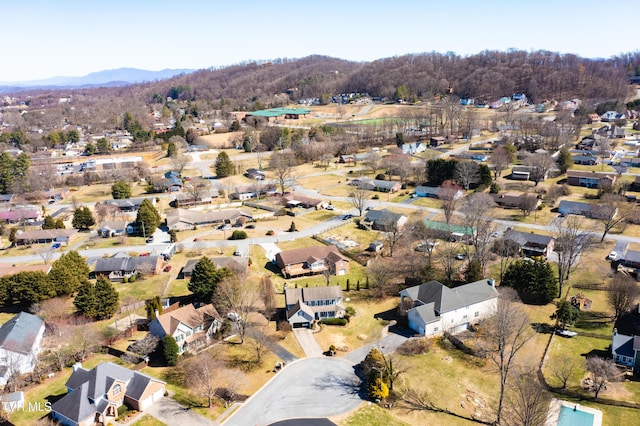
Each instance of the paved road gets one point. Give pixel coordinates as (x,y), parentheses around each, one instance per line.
(311,387)
(308,342)
(172,413)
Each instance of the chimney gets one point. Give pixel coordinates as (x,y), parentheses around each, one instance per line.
(76,366)
(491,282)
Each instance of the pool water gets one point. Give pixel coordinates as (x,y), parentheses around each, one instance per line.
(569,417)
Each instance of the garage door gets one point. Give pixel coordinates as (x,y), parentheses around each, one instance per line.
(300,325)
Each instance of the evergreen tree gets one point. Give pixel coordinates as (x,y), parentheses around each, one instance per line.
(6,173)
(103,146)
(106,297)
(485,175)
(535,281)
(224,166)
(120,190)
(49,223)
(565,159)
(68,272)
(152,306)
(235,126)
(170,349)
(59,224)
(205,278)
(26,288)
(566,313)
(148,218)
(89,148)
(83,218)
(171,150)
(474,271)
(85,300)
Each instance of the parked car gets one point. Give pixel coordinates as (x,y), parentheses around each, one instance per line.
(150,239)
(250,226)
(330,207)
(461,256)
(145,254)
(167,268)
(237,252)
(613,255)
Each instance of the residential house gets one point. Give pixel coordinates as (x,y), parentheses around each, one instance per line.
(611,116)
(587,160)
(129,204)
(115,228)
(121,266)
(590,179)
(436,141)
(383,220)
(45,236)
(201,198)
(439,192)
(107,164)
(353,158)
(253,173)
(378,185)
(305,202)
(515,199)
(247,192)
(413,148)
(183,219)
(21,215)
(312,260)
(93,396)
(304,305)
(8,269)
(593,142)
(625,350)
(593,118)
(6,199)
(172,184)
(593,211)
(237,265)
(531,244)
(523,173)
(193,328)
(631,259)
(20,340)
(432,308)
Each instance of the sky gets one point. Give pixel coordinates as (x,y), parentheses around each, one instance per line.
(49,38)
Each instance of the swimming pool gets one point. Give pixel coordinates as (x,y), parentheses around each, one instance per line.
(572,417)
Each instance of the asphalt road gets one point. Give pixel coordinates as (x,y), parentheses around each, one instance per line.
(309,388)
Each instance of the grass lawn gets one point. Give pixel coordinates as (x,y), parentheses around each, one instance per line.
(143,289)
(147,420)
(370,415)
(361,329)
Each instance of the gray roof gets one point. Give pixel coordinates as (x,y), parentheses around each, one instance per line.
(440,299)
(574,207)
(89,385)
(19,334)
(383,216)
(234,263)
(632,256)
(118,262)
(293,295)
(524,238)
(297,307)
(125,203)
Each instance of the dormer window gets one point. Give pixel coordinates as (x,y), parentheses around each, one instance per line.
(117,389)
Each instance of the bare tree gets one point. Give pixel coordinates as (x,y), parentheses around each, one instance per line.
(146,345)
(238,297)
(508,251)
(447,257)
(267,291)
(231,381)
(179,162)
(358,198)
(622,295)
(540,164)
(562,368)
(571,239)
(500,159)
(613,210)
(259,341)
(282,166)
(382,275)
(54,311)
(504,334)
(527,402)
(46,253)
(394,234)
(197,188)
(467,172)
(373,162)
(448,199)
(201,373)
(145,269)
(602,371)
(475,211)
(527,204)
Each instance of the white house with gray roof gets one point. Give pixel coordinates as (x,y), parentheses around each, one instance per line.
(432,308)
(93,396)
(304,305)
(20,340)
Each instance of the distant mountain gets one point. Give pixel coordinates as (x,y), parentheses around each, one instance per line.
(107,78)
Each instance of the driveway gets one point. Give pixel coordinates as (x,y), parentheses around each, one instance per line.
(170,412)
(308,342)
(387,345)
(270,250)
(311,387)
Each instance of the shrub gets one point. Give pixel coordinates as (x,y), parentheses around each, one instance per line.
(377,390)
(380,176)
(132,279)
(292,227)
(281,212)
(375,197)
(415,347)
(122,410)
(238,235)
(494,188)
(270,232)
(334,321)
(350,311)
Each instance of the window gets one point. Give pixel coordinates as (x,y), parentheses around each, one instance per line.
(477,314)
(464,317)
(116,390)
(435,329)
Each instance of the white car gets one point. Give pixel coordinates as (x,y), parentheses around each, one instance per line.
(613,255)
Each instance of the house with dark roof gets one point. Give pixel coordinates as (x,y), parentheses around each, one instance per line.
(312,260)
(186,219)
(432,308)
(593,211)
(516,199)
(587,160)
(631,259)
(237,265)
(129,204)
(193,328)
(304,305)
(121,266)
(531,244)
(625,350)
(114,228)
(590,179)
(93,396)
(439,192)
(45,236)
(383,220)
(20,340)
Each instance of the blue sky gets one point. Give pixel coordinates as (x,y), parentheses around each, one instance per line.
(47,38)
